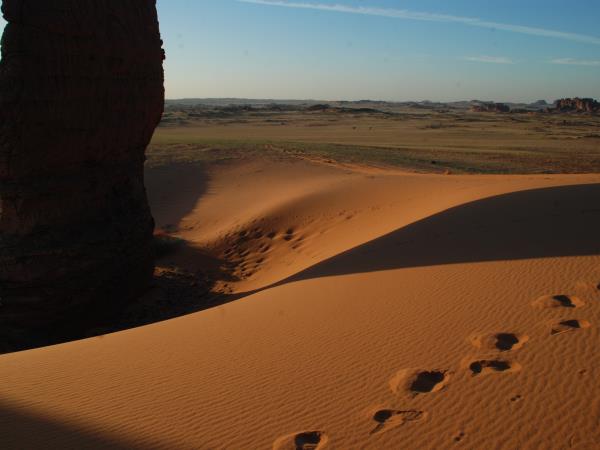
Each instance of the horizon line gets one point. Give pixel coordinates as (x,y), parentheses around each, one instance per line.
(371,100)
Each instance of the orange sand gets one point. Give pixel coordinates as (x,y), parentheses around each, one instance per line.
(375,309)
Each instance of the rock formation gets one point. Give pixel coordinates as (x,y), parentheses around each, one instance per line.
(490,107)
(81,92)
(577,105)
(319,107)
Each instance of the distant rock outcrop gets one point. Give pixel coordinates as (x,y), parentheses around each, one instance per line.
(539,104)
(319,107)
(81,92)
(490,107)
(577,105)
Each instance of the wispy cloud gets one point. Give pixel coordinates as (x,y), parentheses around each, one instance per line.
(489,59)
(430,17)
(576,62)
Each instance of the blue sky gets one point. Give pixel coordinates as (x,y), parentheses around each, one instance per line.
(505,50)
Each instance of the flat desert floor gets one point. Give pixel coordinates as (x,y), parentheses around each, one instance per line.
(356,307)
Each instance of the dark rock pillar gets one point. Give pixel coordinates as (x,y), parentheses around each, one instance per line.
(81,92)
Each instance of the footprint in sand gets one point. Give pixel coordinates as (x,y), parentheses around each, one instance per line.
(304,440)
(503,342)
(558,301)
(388,419)
(566,326)
(419,381)
(487,366)
(459,437)
(289,234)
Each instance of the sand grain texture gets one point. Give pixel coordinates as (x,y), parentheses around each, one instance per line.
(374,309)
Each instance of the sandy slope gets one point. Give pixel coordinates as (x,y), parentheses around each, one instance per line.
(376,310)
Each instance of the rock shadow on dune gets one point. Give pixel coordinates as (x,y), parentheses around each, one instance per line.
(538,223)
(21,429)
(173,191)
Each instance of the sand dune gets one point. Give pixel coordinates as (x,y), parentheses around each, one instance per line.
(370,309)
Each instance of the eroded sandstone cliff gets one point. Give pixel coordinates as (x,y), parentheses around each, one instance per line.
(81,91)
(577,105)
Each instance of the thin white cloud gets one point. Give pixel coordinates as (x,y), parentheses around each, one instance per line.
(576,62)
(429,17)
(489,59)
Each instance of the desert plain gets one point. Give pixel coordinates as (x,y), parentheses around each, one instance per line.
(345,277)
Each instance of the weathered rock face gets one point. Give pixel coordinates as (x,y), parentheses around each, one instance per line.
(577,105)
(81,92)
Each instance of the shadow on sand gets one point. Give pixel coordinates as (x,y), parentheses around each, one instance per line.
(173,191)
(22,429)
(539,223)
